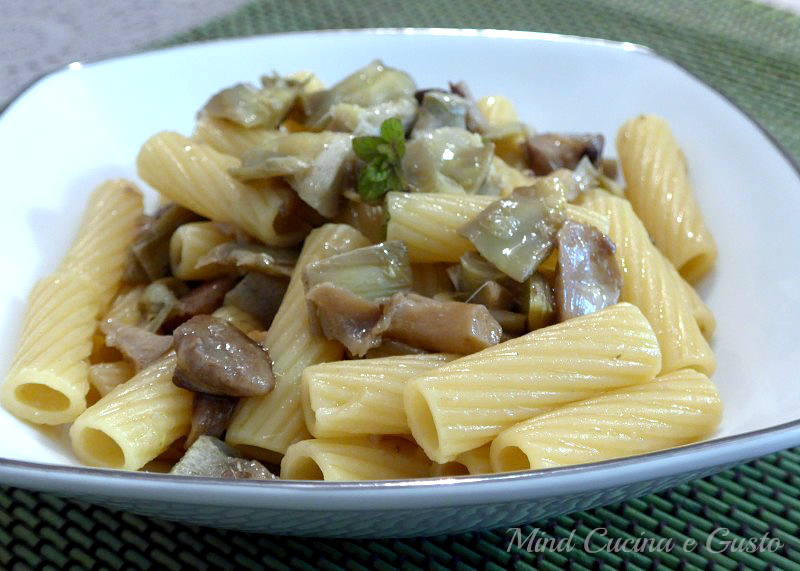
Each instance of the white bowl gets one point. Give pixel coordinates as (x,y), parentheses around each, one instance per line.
(77,127)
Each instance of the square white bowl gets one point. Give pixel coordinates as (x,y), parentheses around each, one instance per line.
(75,128)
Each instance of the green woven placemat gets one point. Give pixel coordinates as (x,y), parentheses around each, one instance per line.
(749,52)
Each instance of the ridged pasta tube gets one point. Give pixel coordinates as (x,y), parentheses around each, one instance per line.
(229,138)
(467,402)
(109,225)
(49,376)
(675,409)
(362,396)
(136,421)
(650,282)
(196,176)
(269,424)
(662,196)
(357,458)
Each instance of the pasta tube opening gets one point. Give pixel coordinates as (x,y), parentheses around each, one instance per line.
(420,416)
(512,458)
(42,397)
(304,468)
(449,469)
(101,449)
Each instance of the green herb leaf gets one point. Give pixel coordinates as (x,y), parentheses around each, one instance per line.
(383,156)
(392,130)
(367,148)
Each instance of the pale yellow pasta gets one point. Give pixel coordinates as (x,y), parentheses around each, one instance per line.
(498,110)
(311,83)
(507,178)
(356,458)
(196,176)
(136,421)
(702,313)
(48,379)
(429,223)
(109,225)
(188,244)
(238,318)
(578,213)
(362,396)
(467,402)
(659,189)
(476,461)
(269,424)
(675,409)
(229,138)
(105,376)
(650,282)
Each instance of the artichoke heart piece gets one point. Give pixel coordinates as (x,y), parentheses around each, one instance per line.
(570,183)
(210,457)
(371,272)
(539,301)
(314,165)
(440,109)
(367,87)
(517,233)
(250,106)
(360,121)
(474,271)
(447,160)
(234,258)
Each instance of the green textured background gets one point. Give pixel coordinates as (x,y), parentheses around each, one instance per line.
(750,53)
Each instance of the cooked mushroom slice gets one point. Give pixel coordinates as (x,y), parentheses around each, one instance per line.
(159,302)
(259,295)
(250,106)
(139,346)
(211,416)
(539,302)
(213,458)
(440,109)
(588,277)
(207,297)
(342,315)
(369,86)
(236,259)
(517,233)
(447,160)
(215,358)
(441,326)
(550,151)
(371,272)
(149,259)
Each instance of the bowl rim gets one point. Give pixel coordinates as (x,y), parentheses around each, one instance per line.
(406,493)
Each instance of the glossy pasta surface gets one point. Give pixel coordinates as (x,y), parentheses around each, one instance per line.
(368,281)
